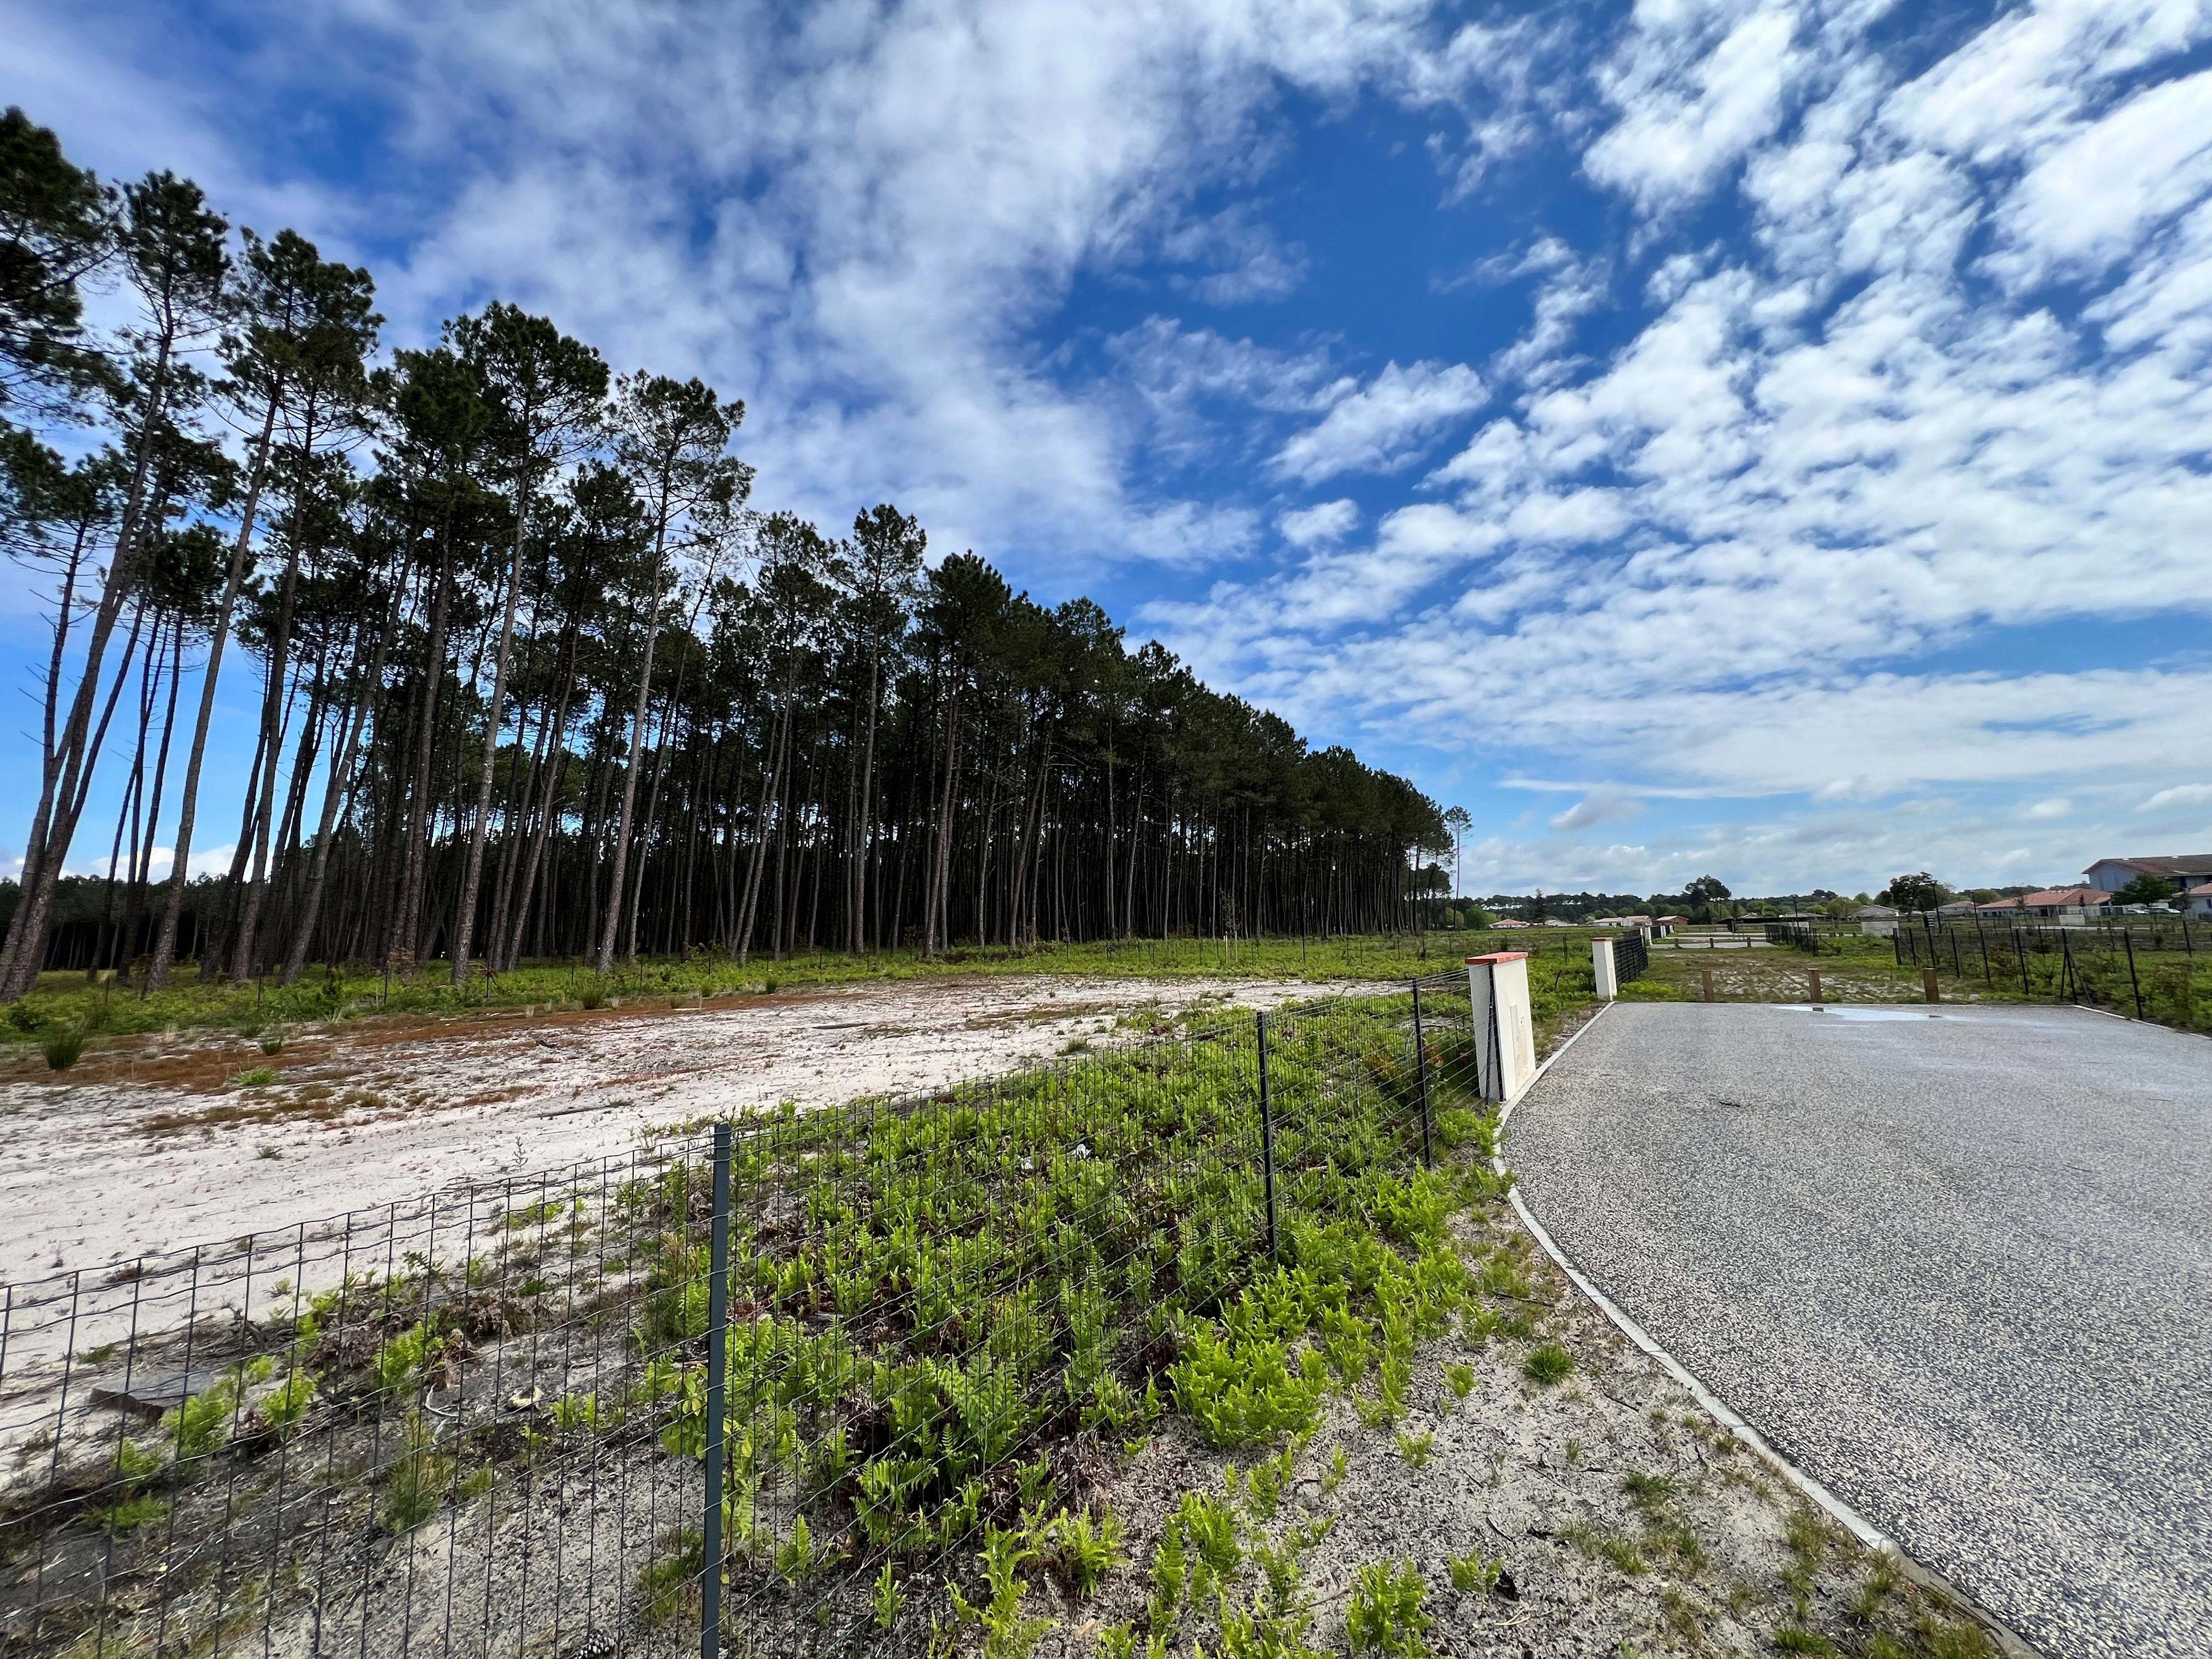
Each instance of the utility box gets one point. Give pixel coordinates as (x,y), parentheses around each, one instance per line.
(1602,970)
(1504,1024)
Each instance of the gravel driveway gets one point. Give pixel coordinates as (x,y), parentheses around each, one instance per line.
(1958,1264)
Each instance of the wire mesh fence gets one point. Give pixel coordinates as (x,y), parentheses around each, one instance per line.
(769,1382)
(2155,968)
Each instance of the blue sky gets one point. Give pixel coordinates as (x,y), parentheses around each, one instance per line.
(1769,439)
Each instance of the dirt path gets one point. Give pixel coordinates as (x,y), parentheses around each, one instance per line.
(183,1139)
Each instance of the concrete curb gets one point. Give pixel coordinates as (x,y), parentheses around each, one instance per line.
(1871,1537)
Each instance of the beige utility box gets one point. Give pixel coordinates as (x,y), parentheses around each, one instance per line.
(1504,1024)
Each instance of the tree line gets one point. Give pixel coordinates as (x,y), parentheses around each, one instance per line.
(532,675)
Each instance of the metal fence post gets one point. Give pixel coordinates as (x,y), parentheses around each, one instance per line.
(718,1378)
(2128,939)
(1266,1139)
(1421,1075)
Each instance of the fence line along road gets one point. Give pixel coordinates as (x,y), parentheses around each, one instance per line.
(758,1388)
(2148,966)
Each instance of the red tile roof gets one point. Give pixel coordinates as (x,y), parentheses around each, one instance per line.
(2062,898)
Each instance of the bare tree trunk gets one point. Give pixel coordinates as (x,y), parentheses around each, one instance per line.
(407,919)
(548,808)
(771,795)
(935,923)
(465,919)
(863,839)
(165,946)
(345,766)
(276,708)
(615,884)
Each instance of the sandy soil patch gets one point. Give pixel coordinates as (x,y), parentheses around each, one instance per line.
(179,1140)
(1603,1515)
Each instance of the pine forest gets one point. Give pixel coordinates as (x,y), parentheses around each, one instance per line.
(535,675)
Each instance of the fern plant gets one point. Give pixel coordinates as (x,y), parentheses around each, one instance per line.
(1385,1615)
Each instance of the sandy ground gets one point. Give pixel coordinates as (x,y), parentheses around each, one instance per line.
(180,1141)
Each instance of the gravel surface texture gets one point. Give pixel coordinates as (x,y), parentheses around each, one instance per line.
(1957,1265)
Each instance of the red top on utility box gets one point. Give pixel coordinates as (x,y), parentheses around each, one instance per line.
(1499,956)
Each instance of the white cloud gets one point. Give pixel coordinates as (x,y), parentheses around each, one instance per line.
(854,219)
(1595,808)
(1247,261)
(1385,424)
(1698,87)
(2181,794)
(1571,291)
(2055,806)
(1328,521)
(2087,201)
(207,861)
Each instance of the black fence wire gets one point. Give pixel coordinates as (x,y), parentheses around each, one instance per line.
(761,1389)
(2155,968)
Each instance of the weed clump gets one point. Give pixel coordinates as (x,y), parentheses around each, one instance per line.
(415,1486)
(1547,1365)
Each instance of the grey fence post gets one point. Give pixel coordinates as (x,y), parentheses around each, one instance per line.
(718,1380)
(1266,1139)
(1421,1073)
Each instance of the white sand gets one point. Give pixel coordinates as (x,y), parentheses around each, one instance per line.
(150,1148)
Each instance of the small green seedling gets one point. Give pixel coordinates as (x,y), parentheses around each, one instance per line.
(1474,1574)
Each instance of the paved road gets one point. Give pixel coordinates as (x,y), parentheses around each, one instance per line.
(1957,1265)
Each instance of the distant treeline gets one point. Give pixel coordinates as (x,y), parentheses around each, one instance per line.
(533,677)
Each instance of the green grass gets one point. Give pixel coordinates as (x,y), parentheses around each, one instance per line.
(1547,1363)
(2173,979)
(64,1000)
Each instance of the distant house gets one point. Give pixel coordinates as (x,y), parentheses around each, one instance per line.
(1957,908)
(1876,918)
(1509,922)
(2068,905)
(2197,901)
(2183,870)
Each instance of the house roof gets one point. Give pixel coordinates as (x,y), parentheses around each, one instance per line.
(2182,864)
(2060,898)
(2204,890)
